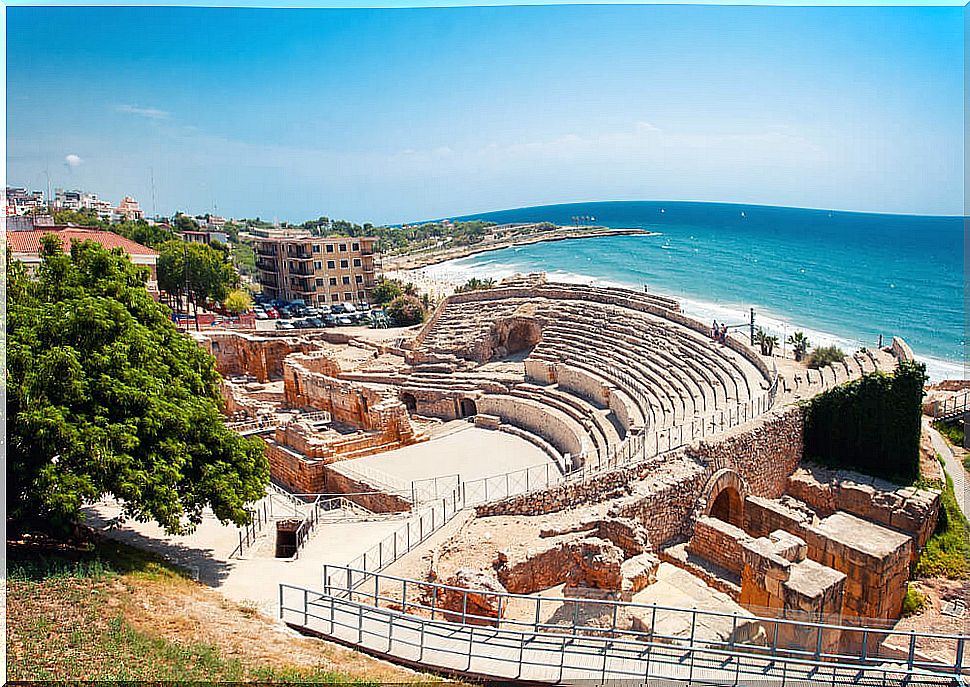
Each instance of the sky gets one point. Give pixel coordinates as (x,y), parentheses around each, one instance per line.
(395,115)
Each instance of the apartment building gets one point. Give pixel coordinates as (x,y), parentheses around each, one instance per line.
(316,269)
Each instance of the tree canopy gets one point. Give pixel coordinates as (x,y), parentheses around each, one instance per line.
(200,271)
(405,311)
(104,396)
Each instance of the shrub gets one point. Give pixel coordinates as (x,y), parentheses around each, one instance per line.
(386,291)
(953,431)
(826,355)
(405,311)
(871,424)
(914,602)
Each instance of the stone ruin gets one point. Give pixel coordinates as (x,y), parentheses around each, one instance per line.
(580,371)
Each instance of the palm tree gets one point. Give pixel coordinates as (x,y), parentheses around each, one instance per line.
(800,344)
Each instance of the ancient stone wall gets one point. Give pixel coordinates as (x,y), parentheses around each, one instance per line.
(764,452)
(874,559)
(719,542)
(539,420)
(261,357)
(908,509)
(663,492)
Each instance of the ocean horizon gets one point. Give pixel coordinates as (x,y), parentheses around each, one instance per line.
(842,277)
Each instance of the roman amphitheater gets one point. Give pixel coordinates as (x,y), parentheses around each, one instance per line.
(575,483)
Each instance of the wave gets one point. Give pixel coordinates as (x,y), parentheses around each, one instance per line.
(734,314)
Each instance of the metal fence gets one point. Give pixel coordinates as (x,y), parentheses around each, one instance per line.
(355,602)
(952,407)
(414,531)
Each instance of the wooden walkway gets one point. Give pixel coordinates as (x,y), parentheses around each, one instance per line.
(548,657)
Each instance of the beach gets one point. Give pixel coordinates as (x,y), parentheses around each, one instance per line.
(844,279)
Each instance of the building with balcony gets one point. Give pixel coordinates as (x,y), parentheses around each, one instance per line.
(316,269)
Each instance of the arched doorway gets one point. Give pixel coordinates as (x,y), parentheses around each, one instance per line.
(727,506)
(467,407)
(724,497)
(410,402)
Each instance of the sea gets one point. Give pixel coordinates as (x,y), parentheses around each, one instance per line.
(842,278)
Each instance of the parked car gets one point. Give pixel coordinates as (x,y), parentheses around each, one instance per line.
(261,315)
(344,321)
(272,313)
(315,322)
(330,320)
(283,324)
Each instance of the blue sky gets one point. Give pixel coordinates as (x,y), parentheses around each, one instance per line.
(406,114)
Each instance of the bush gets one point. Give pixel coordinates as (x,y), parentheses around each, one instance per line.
(871,424)
(953,431)
(826,355)
(405,311)
(914,602)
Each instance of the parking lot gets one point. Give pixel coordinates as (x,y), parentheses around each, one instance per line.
(282,316)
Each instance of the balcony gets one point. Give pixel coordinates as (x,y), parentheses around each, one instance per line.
(264,263)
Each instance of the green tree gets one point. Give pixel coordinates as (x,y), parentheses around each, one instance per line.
(405,311)
(800,344)
(386,291)
(195,270)
(85,217)
(185,223)
(238,301)
(105,397)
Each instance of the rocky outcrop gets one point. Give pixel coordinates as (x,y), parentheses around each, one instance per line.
(480,602)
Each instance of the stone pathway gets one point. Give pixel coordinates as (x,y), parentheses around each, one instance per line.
(953,467)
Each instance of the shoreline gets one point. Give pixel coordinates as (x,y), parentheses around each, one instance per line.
(415,261)
(439,284)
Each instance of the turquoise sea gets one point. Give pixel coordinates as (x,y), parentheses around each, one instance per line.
(841,277)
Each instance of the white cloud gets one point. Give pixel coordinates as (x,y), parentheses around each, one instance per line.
(147,112)
(72,161)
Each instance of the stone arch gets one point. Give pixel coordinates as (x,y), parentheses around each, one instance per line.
(467,407)
(724,497)
(410,402)
(521,335)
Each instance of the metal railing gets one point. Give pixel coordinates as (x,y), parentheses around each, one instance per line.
(249,533)
(364,608)
(952,407)
(413,532)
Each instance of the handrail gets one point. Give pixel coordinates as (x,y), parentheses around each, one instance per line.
(792,642)
(955,405)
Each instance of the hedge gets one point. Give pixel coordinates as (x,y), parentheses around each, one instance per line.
(871,425)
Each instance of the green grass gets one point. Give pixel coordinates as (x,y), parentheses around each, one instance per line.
(66,621)
(947,553)
(914,603)
(953,431)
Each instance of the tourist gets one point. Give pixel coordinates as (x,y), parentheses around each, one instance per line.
(714,330)
(723,334)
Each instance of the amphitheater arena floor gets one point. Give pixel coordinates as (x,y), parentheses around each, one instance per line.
(468,451)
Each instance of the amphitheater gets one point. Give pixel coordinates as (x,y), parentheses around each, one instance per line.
(587,487)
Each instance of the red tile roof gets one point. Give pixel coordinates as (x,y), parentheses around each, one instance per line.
(29,241)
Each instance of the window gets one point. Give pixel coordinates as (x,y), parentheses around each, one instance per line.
(346,280)
(356,262)
(348,295)
(316,247)
(331,265)
(333,281)
(355,247)
(319,281)
(361,296)
(360,279)
(343,247)
(344,264)
(317,264)
(335,297)
(330,248)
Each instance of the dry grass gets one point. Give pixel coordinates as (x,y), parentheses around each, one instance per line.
(109,612)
